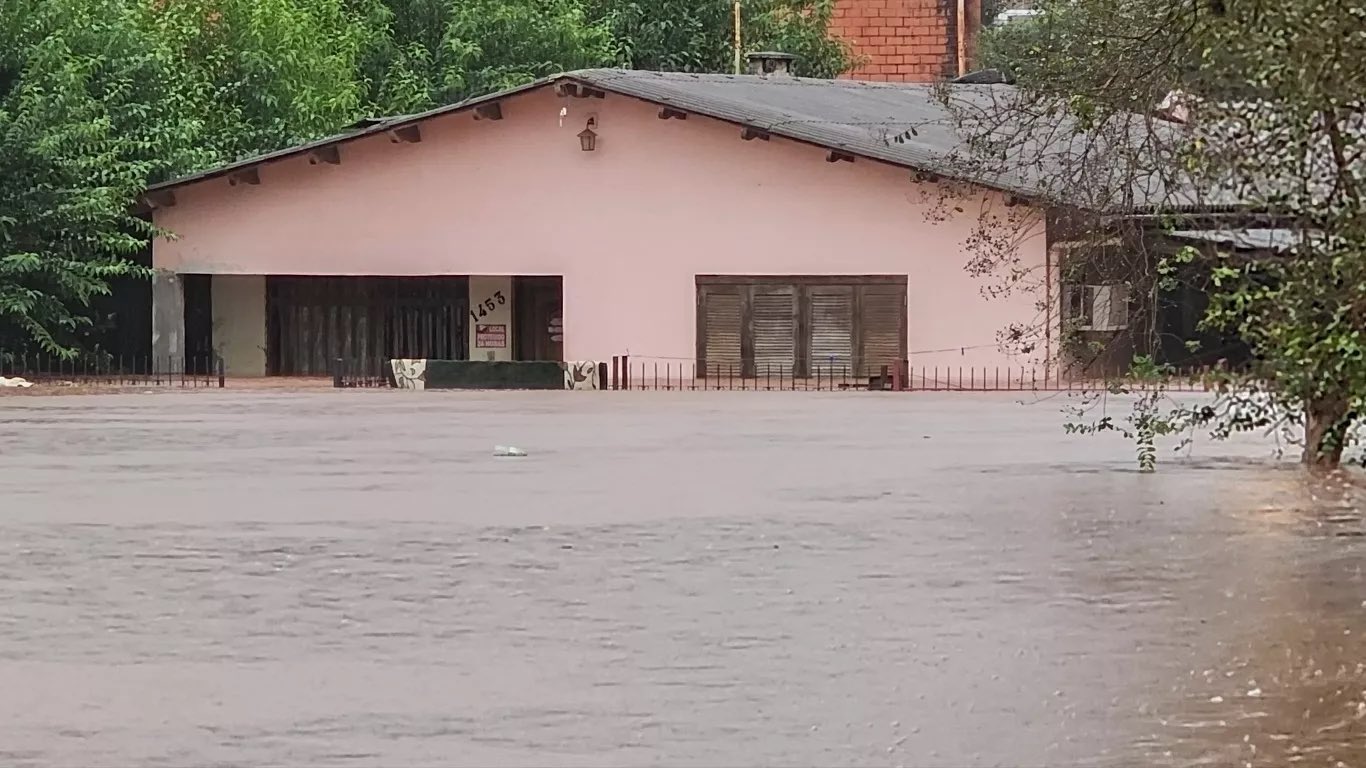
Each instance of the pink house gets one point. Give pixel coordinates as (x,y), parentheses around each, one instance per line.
(739,221)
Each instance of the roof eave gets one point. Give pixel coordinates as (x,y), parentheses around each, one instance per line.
(1019,195)
(379,127)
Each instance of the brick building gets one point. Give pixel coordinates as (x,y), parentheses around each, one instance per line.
(908,40)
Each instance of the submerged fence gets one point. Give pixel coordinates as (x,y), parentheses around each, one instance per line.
(115,370)
(627,374)
(368,372)
(623,373)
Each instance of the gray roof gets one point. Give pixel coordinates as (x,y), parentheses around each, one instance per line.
(1252,239)
(903,124)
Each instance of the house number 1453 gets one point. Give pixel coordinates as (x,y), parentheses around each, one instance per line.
(486,306)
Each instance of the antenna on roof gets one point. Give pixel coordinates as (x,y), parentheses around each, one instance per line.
(737,37)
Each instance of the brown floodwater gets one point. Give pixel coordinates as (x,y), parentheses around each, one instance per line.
(352,578)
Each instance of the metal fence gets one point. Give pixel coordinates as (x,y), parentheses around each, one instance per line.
(115,370)
(624,374)
(627,374)
(352,373)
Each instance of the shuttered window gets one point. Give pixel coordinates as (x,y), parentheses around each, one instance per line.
(832,328)
(722,313)
(881,310)
(774,323)
(800,326)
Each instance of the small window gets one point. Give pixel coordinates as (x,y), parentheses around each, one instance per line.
(1097,307)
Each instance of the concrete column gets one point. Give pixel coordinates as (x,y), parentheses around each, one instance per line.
(490,317)
(239,323)
(168,318)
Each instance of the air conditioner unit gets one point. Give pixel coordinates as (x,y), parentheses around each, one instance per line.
(1098,307)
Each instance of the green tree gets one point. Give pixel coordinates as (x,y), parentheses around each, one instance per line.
(264,74)
(425,53)
(88,112)
(698,35)
(1270,99)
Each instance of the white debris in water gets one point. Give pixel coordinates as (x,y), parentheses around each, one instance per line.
(21,382)
(1216,700)
(1255,692)
(507,450)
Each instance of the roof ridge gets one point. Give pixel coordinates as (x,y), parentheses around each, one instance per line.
(756,79)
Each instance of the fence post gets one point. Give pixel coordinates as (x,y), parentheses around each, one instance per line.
(625,371)
(222,373)
(337,373)
(602,375)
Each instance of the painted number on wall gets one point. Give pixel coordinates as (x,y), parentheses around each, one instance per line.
(486,306)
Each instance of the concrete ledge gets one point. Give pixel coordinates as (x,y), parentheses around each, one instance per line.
(492,374)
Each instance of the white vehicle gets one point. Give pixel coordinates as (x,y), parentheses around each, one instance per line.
(1015,14)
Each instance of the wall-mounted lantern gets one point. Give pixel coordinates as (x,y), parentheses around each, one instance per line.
(588,139)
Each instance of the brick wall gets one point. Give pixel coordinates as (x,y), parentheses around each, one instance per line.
(903,40)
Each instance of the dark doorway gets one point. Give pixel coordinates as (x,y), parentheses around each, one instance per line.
(539,308)
(199,350)
(123,318)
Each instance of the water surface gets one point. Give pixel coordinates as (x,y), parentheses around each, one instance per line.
(685,579)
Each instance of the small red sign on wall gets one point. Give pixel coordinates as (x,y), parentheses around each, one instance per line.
(490,336)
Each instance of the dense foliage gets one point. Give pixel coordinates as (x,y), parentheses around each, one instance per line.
(89,111)
(1269,98)
(697,35)
(100,97)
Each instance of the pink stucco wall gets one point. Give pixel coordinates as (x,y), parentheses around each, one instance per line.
(629,226)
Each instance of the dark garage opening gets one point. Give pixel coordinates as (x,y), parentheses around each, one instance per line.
(312,321)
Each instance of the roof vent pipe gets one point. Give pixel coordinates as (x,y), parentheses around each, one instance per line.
(771,63)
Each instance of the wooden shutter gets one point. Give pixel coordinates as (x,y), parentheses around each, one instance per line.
(882,313)
(832,328)
(774,322)
(722,319)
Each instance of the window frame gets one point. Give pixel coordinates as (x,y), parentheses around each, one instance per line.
(801,286)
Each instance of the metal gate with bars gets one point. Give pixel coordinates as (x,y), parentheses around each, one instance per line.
(753,324)
(313,321)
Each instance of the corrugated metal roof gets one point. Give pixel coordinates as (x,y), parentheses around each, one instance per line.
(1251,239)
(860,118)
(915,126)
(903,124)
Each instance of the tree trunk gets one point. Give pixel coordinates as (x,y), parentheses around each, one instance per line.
(1325,433)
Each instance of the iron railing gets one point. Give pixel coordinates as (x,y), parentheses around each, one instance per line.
(628,374)
(369,372)
(624,373)
(115,370)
